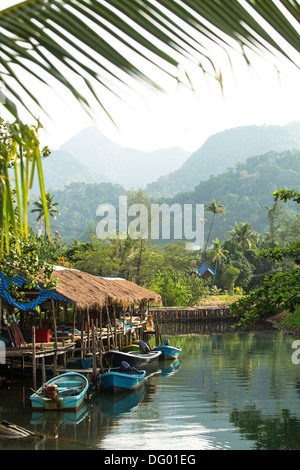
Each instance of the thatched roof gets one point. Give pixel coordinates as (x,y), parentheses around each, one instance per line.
(86,291)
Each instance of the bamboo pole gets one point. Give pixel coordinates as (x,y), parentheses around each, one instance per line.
(94,355)
(55,338)
(115,328)
(73,324)
(43,366)
(33,359)
(82,339)
(110,328)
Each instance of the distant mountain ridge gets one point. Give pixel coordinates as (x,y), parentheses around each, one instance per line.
(224,150)
(89,157)
(62,169)
(120,165)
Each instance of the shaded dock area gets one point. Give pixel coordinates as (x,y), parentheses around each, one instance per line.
(73,326)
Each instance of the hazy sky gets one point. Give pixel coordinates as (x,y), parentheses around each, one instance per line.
(150,120)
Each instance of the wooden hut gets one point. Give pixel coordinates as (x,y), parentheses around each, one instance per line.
(86,293)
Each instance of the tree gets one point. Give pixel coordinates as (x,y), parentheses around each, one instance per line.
(218,254)
(279,291)
(274,213)
(24,258)
(216,207)
(229,277)
(243,235)
(51,208)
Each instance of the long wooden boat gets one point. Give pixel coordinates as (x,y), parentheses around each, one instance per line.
(138,359)
(63,392)
(12,431)
(126,378)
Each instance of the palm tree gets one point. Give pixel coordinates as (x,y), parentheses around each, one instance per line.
(109,43)
(216,207)
(243,235)
(219,253)
(51,207)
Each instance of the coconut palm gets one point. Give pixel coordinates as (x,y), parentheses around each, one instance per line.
(91,46)
(243,235)
(216,207)
(51,208)
(219,254)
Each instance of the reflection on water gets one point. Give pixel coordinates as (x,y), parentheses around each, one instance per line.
(228,390)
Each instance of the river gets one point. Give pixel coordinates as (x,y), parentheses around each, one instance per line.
(229,391)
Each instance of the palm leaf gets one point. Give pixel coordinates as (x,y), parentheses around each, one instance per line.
(112,41)
(19,149)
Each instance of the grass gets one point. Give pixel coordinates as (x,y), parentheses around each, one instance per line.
(219,300)
(292,321)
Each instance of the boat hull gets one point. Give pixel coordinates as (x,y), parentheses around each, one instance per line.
(71,391)
(133,358)
(120,382)
(168,352)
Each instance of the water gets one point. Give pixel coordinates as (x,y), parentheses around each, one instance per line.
(230,390)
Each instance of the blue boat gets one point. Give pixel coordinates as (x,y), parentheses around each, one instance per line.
(167,351)
(64,392)
(125,378)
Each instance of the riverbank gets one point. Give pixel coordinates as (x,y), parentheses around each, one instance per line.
(287,322)
(284,321)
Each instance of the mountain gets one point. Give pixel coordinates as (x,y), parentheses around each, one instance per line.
(128,167)
(246,190)
(62,169)
(224,150)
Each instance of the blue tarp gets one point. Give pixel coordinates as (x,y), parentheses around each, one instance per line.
(20,281)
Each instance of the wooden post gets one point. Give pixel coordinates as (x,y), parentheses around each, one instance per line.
(130,335)
(55,338)
(94,355)
(88,329)
(115,329)
(110,329)
(33,359)
(82,338)
(43,365)
(73,325)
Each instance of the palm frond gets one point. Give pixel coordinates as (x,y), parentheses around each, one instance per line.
(113,41)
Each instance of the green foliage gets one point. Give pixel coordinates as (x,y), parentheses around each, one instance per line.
(179,289)
(246,199)
(280,290)
(19,153)
(229,277)
(29,262)
(293,320)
